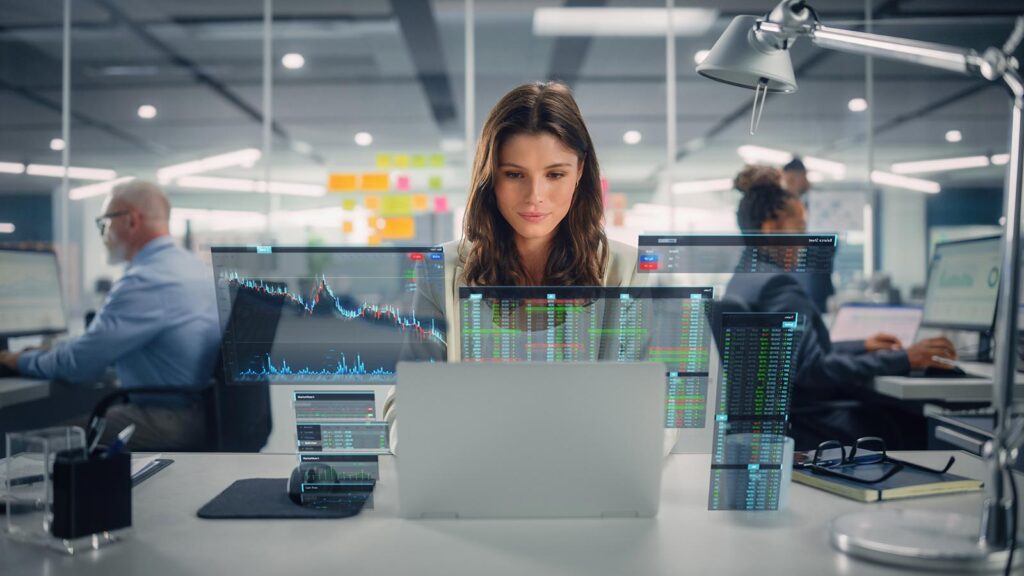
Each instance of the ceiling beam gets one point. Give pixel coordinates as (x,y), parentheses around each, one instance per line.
(197,72)
(423,40)
(569,52)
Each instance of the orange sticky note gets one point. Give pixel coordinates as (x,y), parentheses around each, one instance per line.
(375,182)
(372,202)
(347,226)
(373,240)
(420,202)
(404,227)
(341,182)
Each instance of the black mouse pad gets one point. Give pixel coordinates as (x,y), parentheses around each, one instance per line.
(268,498)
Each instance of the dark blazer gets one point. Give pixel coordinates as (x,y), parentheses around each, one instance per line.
(823,369)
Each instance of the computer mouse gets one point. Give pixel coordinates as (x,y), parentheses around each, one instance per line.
(309,473)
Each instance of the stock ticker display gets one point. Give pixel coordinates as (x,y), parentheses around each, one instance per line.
(742,253)
(339,421)
(752,410)
(331,315)
(580,324)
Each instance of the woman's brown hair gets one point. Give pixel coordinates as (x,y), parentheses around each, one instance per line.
(579,249)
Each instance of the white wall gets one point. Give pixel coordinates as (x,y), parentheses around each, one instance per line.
(903,238)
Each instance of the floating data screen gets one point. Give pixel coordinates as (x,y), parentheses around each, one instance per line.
(347,467)
(30,293)
(963,284)
(726,254)
(686,401)
(356,405)
(752,410)
(343,437)
(575,324)
(325,314)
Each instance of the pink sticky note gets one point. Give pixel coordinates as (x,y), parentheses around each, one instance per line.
(604,185)
(440,203)
(402,183)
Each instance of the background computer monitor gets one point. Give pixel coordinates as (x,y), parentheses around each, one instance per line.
(963,283)
(31,299)
(344,315)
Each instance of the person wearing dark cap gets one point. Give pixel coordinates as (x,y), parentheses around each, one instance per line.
(825,371)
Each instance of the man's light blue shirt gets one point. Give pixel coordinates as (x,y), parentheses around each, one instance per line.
(157,327)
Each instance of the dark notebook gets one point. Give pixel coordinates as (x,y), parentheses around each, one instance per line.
(907,483)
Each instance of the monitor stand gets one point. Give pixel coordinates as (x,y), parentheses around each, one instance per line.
(984,347)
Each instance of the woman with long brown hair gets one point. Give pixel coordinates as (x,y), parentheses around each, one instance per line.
(534,216)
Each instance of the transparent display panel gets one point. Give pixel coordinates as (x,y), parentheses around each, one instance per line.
(343,437)
(752,410)
(347,405)
(575,324)
(728,253)
(325,314)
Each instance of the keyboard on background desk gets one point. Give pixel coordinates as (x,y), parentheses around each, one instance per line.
(945,373)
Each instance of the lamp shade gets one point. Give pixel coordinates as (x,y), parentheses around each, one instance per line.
(738,59)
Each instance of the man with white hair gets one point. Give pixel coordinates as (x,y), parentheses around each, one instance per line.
(157,327)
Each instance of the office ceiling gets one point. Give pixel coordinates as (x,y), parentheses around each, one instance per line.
(395,69)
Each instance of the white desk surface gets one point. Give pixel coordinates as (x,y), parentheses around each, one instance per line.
(685,538)
(948,389)
(17,390)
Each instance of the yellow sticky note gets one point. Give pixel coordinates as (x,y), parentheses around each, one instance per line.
(420,202)
(437,160)
(396,205)
(401,160)
(341,182)
(347,226)
(348,204)
(375,182)
(373,240)
(419,161)
(404,227)
(372,202)
(435,183)
(383,160)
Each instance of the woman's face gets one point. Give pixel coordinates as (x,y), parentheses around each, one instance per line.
(535,182)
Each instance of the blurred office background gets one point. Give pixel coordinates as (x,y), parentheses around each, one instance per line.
(362,115)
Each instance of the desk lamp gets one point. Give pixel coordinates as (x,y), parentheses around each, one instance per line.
(753,53)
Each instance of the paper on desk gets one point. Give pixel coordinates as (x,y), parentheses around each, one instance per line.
(142,463)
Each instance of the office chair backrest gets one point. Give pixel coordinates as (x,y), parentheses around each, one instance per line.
(243,410)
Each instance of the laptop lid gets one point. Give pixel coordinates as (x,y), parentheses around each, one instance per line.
(861,321)
(530,440)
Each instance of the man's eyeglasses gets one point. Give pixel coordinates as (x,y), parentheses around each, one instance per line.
(104,221)
(871,451)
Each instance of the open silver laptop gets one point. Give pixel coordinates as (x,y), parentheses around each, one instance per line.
(530,440)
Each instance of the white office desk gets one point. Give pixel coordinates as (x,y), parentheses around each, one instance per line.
(947,389)
(685,538)
(18,390)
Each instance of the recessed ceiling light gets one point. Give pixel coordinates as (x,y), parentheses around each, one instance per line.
(7,227)
(1000,159)
(57,144)
(363,138)
(147,111)
(857,105)
(954,136)
(700,55)
(293,61)
(632,137)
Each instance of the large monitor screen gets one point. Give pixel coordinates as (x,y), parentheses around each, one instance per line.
(963,283)
(328,315)
(30,293)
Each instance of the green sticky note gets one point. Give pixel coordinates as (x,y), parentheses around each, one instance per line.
(435,183)
(437,160)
